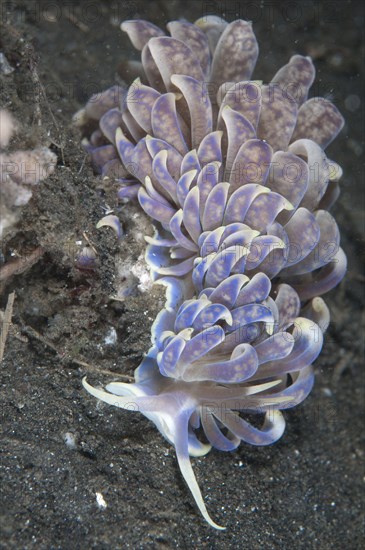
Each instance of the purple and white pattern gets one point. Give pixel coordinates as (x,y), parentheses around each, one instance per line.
(233,173)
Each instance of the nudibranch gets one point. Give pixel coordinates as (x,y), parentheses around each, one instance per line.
(233,173)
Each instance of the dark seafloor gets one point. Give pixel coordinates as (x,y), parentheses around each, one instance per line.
(306,491)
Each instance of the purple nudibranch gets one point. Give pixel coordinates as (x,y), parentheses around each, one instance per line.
(233,173)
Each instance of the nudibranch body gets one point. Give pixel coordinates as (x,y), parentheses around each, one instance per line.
(233,173)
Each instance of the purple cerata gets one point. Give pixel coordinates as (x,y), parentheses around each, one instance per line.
(234,174)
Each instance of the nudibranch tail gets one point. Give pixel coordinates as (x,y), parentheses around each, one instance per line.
(187,471)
